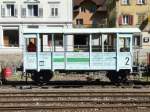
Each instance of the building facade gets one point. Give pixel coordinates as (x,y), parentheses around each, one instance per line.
(89,13)
(15,15)
(135,13)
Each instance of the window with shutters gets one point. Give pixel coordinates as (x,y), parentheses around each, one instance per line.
(9,10)
(127,20)
(140,2)
(79,21)
(125,2)
(54,10)
(82,9)
(32,10)
(141,18)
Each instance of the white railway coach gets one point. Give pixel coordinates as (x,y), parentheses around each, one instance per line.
(93,49)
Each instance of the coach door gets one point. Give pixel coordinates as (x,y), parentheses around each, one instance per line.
(29,52)
(124,51)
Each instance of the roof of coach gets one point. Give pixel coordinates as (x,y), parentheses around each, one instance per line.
(83,30)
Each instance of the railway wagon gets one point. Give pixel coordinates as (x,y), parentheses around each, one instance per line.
(90,49)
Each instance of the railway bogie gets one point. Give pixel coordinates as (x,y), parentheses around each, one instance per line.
(43,76)
(118,77)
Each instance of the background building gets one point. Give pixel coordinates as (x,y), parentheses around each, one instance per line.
(15,15)
(89,13)
(132,13)
(18,14)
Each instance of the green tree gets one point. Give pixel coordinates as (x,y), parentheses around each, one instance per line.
(111,9)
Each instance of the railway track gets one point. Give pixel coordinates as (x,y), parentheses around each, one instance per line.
(76,100)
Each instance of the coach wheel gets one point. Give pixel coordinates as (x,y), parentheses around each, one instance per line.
(122,76)
(112,76)
(42,77)
(117,77)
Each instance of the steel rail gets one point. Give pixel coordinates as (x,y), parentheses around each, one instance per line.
(35,95)
(71,107)
(23,100)
(74,91)
(78,101)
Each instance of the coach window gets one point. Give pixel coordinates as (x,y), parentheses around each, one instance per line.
(31,45)
(81,43)
(109,43)
(47,44)
(124,44)
(96,43)
(58,40)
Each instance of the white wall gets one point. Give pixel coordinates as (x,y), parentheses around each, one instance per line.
(65,12)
